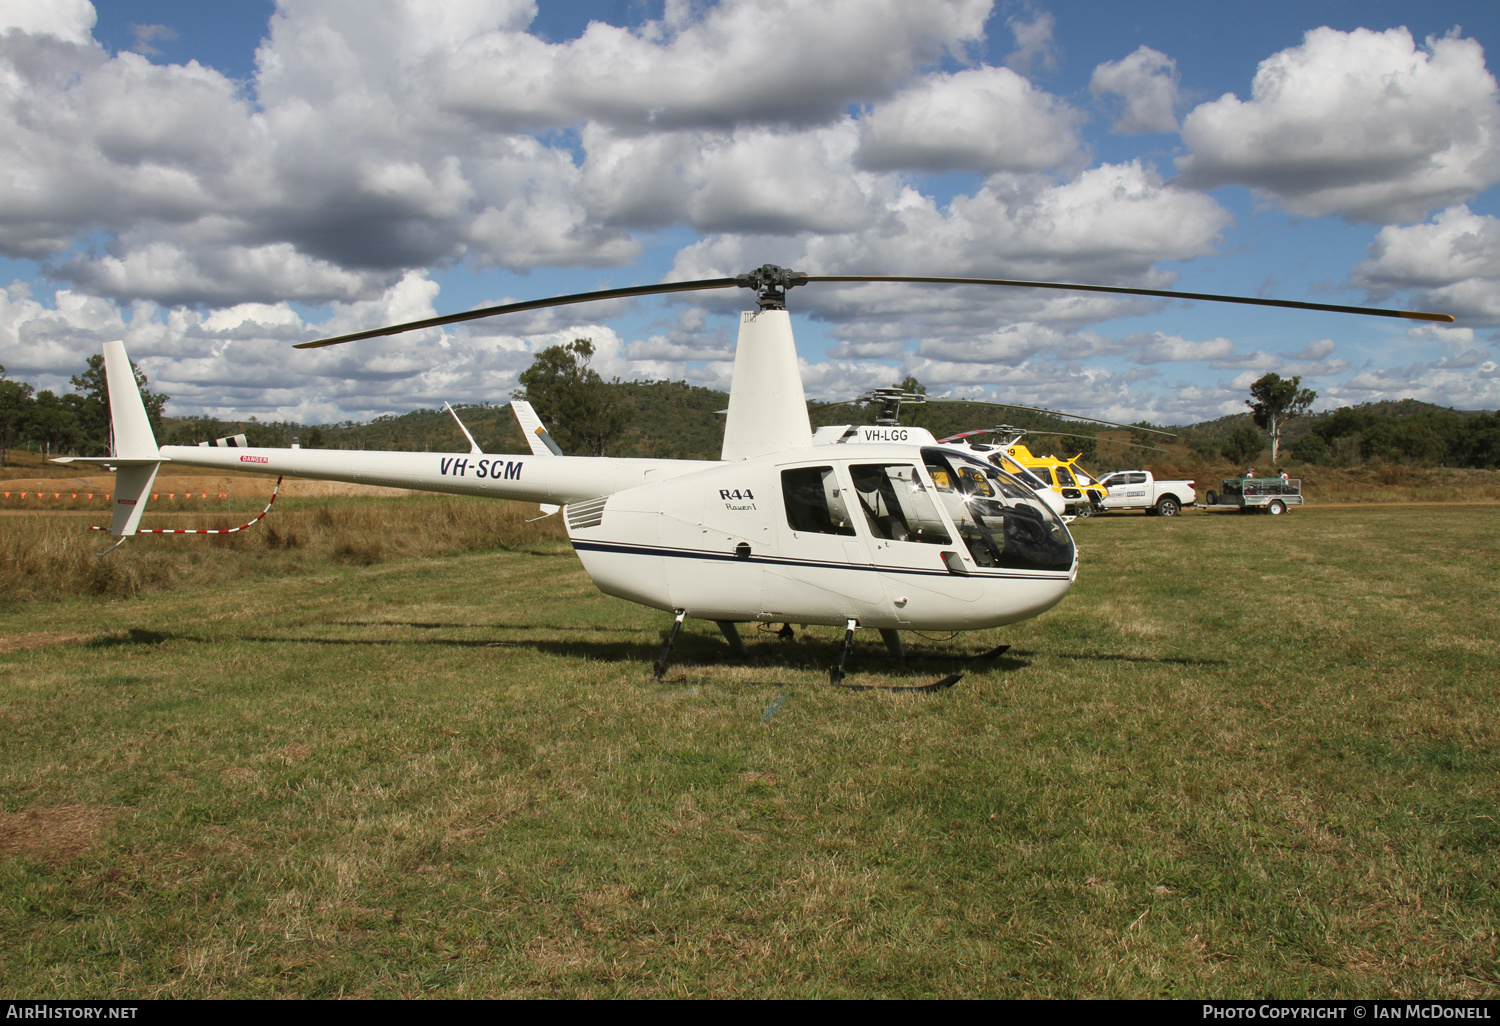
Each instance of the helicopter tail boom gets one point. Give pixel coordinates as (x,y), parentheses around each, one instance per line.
(550,480)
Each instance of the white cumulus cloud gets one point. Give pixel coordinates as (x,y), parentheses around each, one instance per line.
(1362,124)
(68,20)
(1159,347)
(1451,264)
(982,119)
(1146,84)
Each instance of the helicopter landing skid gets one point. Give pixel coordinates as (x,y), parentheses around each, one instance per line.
(836,674)
(937,685)
(659,669)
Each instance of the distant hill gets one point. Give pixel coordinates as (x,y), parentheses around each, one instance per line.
(673,419)
(1221,427)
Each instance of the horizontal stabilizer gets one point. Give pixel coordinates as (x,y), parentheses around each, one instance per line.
(109,462)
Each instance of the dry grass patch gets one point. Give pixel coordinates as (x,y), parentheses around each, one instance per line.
(46,558)
(55,834)
(31,640)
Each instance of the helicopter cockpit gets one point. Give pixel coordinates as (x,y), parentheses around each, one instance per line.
(1001,521)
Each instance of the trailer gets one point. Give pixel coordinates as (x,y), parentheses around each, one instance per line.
(1273,495)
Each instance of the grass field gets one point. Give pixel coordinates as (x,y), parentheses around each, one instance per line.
(1248,756)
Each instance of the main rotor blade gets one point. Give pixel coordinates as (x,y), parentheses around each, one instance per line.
(1101,441)
(530,304)
(1055,413)
(792,279)
(1061,434)
(1065,434)
(1120,290)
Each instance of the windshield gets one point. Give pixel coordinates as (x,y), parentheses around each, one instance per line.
(1001,521)
(1014,469)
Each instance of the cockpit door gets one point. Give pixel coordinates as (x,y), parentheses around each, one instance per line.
(912,542)
(822,572)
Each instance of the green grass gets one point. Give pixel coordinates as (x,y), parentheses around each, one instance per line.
(1247,756)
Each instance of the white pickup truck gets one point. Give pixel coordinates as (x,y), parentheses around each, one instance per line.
(1138,489)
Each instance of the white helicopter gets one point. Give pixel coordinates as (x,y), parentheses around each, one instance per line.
(889,534)
(888,428)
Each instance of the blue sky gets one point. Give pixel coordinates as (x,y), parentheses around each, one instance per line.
(212,183)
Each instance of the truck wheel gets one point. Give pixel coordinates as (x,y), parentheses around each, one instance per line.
(1167,508)
(1084,511)
(1213,497)
(1276,507)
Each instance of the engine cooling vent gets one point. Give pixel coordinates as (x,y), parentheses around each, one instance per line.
(586,514)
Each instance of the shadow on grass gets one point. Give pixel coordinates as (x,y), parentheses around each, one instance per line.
(135,636)
(1112,657)
(422,626)
(815,656)
(804,654)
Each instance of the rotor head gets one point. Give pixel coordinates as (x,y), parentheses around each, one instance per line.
(770,284)
(890,400)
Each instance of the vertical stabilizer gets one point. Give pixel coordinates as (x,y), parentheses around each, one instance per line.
(767,407)
(474,449)
(537,436)
(127,413)
(133,441)
(132,485)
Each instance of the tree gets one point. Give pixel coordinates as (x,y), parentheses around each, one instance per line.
(1207,449)
(15,412)
(54,423)
(93,403)
(581,411)
(1087,447)
(1243,444)
(1144,437)
(1310,448)
(1273,401)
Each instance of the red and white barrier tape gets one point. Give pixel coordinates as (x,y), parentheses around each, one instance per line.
(220,530)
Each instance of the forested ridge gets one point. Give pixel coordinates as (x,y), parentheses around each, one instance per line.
(673,419)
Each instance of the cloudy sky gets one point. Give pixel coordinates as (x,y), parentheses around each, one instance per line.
(212,182)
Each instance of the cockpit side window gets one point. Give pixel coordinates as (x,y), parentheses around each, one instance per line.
(897,505)
(814,501)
